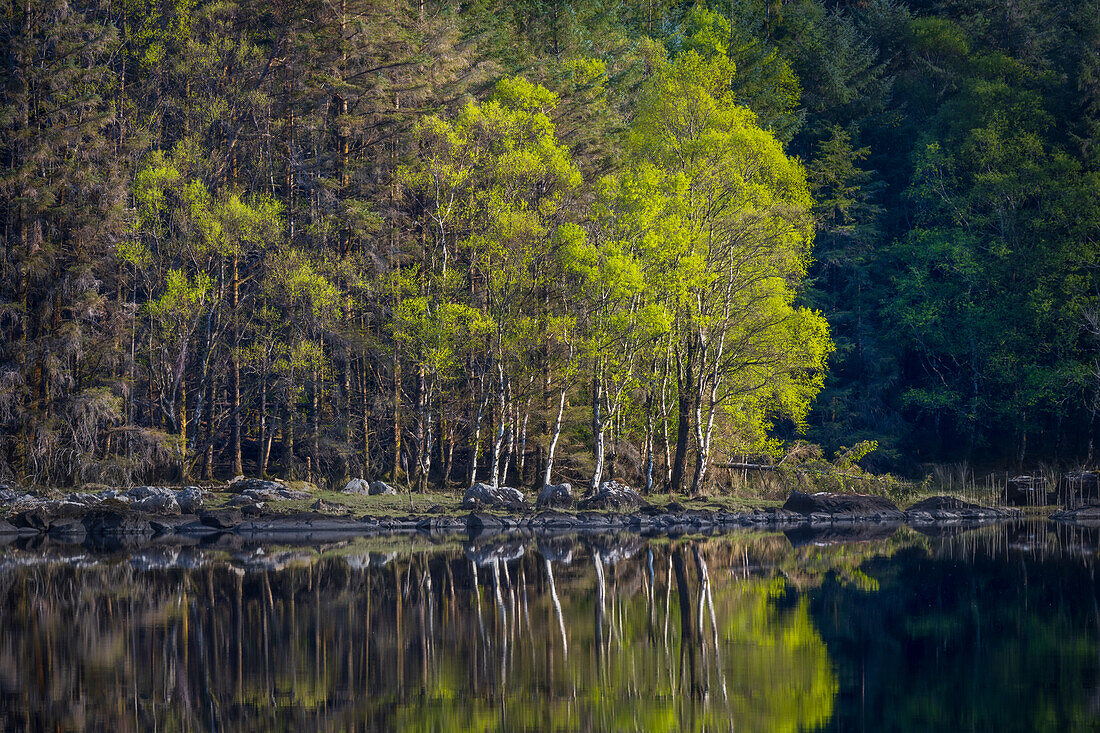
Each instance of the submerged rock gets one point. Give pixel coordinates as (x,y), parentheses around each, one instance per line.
(493,497)
(613,495)
(829,506)
(558,496)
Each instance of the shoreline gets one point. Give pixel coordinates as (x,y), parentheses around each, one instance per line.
(114,527)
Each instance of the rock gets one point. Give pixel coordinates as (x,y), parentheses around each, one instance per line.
(558,496)
(827,506)
(157,504)
(190,500)
(68,530)
(613,495)
(1027,491)
(8,528)
(247,499)
(272,489)
(1079,487)
(109,522)
(144,492)
(1087,514)
(252,510)
(221,519)
(943,508)
(83,499)
(253,496)
(486,496)
(33,519)
(357,486)
(381,488)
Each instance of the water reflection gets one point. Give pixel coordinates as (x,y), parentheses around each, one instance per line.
(753,631)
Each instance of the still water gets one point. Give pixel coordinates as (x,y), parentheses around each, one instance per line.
(996,628)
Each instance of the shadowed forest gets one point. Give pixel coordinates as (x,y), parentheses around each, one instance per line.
(522,242)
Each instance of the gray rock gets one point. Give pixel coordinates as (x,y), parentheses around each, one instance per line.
(940,508)
(273,489)
(1028,491)
(381,488)
(190,500)
(222,519)
(613,495)
(157,504)
(357,486)
(499,497)
(144,492)
(828,506)
(68,530)
(106,523)
(558,496)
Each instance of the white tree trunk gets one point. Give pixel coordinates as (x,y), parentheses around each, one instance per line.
(554,441)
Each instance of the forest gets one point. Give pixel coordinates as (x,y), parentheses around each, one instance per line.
(524,242)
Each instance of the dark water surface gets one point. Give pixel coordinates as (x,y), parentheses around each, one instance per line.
(991,629)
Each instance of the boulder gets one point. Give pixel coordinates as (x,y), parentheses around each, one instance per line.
(1027,491)
(144,492)
(1087,514)
(613,495)
(357,486)
(7,528)
(830,506)
(72,531)
(499,497)
(190,500)
(381,488)
(157,504)
(222,519)
(34,519)
(273,489)
(558,496)
(272,492)
(1079,487)
(946,508)
(108,522)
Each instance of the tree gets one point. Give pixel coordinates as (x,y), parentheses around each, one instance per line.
(731,276)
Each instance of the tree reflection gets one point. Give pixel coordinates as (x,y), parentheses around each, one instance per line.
(604,633)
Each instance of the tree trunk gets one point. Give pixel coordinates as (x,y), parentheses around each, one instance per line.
(597,428)
(554,441)
(685,403)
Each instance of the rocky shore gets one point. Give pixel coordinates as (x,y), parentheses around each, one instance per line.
(162,514)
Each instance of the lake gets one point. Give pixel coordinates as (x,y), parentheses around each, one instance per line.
(989,629)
